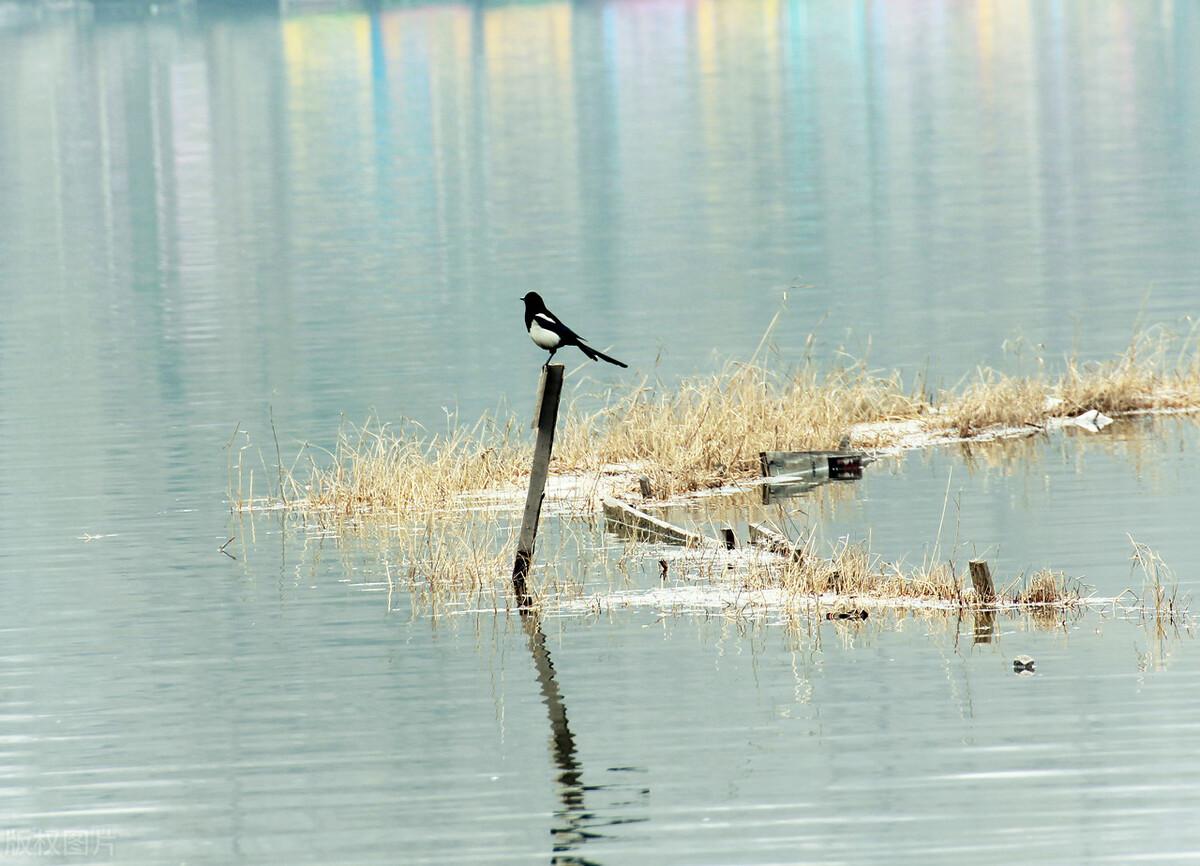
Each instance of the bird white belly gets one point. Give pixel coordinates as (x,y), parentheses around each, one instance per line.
(545,339)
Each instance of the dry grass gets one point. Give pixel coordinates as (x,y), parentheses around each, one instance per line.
(851,570)
(854,571)
(995,400)
(1160,596)
(452,559)
(375,467)
(1047,587)
(1156,371)
(708,431)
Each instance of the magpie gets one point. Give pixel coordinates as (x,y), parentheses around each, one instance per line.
(550,334)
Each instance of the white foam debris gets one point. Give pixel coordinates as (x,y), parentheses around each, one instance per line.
(1092,420)
(913,434)
(710,598)
(567,488)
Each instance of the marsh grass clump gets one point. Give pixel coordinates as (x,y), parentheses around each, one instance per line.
(1045,595)
(1046,587)
(707,431)
(449,558)
(1154,372)
(375,467)
(851,570)
(996,400)
(1160,595)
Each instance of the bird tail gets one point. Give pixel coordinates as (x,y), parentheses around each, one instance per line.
(599,356)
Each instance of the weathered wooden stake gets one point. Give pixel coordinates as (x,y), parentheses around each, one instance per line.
(981,579)
(545,415)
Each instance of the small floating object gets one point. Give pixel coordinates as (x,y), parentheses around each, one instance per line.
(794,473)
(811,465)
(1092,420)
(1023,665)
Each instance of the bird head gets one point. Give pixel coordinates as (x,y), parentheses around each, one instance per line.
(533,302)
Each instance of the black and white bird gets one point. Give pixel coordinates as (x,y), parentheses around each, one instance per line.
(550,334)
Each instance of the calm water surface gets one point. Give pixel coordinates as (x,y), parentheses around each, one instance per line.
(209,215)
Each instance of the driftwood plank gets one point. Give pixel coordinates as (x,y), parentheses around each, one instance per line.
(770,539)
(626,520)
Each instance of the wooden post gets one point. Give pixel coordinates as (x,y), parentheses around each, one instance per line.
(545,418)
(981,579)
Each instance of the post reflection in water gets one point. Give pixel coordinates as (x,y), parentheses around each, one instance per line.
(573,820)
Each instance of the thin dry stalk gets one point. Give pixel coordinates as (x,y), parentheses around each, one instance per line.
(1160,588)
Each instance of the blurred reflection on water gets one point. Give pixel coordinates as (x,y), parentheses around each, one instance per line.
(337,211)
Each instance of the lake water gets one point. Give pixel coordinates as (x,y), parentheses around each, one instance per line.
(211,215)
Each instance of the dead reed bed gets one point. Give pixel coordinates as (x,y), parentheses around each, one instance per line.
(376,467)
(1158,370)
(850,570)
(707,431)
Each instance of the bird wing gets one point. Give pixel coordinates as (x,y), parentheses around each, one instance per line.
(551,323)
